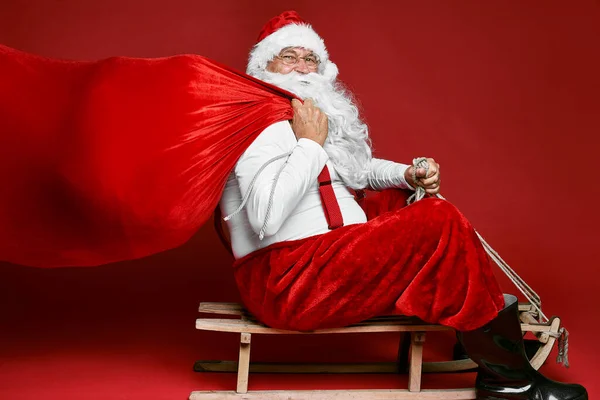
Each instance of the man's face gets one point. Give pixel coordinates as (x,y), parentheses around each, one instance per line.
(296,59)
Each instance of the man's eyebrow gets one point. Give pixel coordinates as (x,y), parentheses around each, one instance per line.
(288,50)
(296,53)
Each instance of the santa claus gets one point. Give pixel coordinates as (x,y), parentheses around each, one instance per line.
(308,256)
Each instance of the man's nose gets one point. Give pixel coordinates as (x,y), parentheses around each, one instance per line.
(301,67)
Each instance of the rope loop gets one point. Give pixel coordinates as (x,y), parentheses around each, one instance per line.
(419,162)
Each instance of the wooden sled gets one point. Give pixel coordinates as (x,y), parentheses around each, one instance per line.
(409,356)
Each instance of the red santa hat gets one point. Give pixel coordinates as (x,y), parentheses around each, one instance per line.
(288,30)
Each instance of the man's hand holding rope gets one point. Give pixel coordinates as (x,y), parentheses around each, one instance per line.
(427,178)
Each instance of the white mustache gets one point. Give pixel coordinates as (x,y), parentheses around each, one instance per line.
(302,85)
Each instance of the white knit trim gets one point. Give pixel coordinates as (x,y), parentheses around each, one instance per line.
(291,35)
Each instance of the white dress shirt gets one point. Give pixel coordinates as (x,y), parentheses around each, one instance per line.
(296,211)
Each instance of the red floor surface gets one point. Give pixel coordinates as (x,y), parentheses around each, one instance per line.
(126,331)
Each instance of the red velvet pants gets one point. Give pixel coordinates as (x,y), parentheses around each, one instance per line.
(420,260)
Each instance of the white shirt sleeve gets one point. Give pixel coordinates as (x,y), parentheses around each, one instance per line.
(298,172)
(384,174)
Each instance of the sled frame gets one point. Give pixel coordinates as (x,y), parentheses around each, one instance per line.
(410,356)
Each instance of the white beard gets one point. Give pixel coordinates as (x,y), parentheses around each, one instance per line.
(347,143)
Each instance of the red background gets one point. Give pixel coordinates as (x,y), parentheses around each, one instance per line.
(505,95)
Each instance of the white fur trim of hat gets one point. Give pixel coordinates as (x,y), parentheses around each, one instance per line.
(291,35)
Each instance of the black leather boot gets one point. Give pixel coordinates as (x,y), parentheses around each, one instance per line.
(531,348)
(504,370)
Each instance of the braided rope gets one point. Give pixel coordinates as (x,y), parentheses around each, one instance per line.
(261,234)
(251,186)
(563,346)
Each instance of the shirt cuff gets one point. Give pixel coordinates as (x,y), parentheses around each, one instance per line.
(402,170)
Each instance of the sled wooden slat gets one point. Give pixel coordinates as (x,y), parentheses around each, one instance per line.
(526,307)
(239,326)
(238,309)
(535,328)
(375,394)
(332,368)
(221,308)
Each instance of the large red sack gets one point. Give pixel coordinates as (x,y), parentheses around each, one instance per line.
(119,158)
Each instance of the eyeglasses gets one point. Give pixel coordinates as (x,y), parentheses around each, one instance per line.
(311,60)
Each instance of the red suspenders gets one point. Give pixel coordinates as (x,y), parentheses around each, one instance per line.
(330,204)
